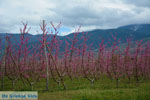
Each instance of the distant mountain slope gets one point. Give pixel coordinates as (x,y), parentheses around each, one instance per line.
(133,32)
(137,27)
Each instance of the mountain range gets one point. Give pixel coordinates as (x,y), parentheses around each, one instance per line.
(135,32)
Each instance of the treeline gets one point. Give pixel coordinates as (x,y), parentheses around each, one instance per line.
(76,61)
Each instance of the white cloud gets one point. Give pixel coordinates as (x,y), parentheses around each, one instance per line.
(90,13)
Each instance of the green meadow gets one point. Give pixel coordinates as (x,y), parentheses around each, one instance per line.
(81,89)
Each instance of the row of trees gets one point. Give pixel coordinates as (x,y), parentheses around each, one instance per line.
(30,65)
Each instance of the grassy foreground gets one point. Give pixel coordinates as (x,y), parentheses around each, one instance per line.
(81,89)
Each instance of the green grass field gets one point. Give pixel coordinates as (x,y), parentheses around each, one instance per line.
(81,89)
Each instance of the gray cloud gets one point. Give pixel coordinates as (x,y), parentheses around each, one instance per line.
(90,13)
(141,3)
(109,15)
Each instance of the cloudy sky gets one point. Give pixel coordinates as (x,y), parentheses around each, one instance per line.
(92,14)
